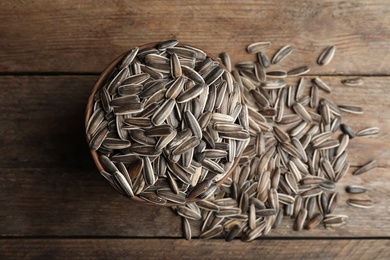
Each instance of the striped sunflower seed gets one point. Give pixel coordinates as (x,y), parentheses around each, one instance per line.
(326,55)
(281,54)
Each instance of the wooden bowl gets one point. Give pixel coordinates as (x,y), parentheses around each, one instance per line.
(89,110)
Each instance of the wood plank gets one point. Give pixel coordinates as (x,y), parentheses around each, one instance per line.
(58,36)
(63,202)
(42,121)
(179,249)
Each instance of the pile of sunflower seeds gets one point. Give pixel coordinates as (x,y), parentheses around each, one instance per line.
(295,156)
(168,124)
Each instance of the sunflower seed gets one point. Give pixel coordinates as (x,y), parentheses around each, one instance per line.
(162,113)
(193,124)
(263,59)
(353,82)
(361,203)
(144,150)
(281,135)
(347,130)
(159,130)
(368,131)
(226,60)
(332,202)
(257,46)
(321,84)
(326,55)
(187,145)
(260,72)
(354,189)
(148,171)
(233,232)
(192,74)
(298,71)
(169,195)
(301,111)
(122,183)
(281,54)
(114,143)
(314,221)
(300,220)
(96,118)
(98,138)
(213,232)
(314,97)
(212,166)
(186,229)
(117,80)
(190,94)
(174,90)
(128,59)
(276,74)
(165,140)
(351,109)
(213,75)
(365,168)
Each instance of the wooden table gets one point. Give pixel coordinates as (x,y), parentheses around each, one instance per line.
(53,202)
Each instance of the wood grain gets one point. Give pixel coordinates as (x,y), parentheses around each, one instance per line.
(211,249)
(83,37)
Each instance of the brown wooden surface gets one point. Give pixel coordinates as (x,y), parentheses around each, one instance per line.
(53,201)
(209,249)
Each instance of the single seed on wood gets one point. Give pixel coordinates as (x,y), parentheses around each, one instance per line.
(351,109)
(257,46)
(368,131)
(354,189)
(326,55)
(361,203)
(298,71)
(353,82)
(365,168)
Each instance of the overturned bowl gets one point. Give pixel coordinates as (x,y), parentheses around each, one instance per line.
(166,123)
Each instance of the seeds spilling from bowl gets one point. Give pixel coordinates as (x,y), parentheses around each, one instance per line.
(170,123)
(167,124)
(295,156)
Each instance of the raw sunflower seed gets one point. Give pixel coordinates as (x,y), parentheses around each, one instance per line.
(299,71)
(351,109)
(281,54)
(353,82)
(368,131)
(190,94)
(322,85)
(354,189)
(263,59)
(257,46)
(365,168)
(326,56)
(226,60)
(361,203)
